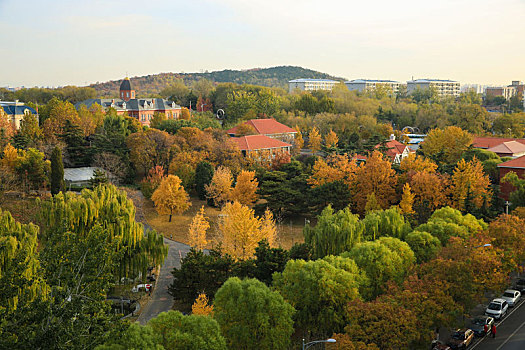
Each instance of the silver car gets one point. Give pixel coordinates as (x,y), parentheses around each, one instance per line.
(497,308)
(511,296)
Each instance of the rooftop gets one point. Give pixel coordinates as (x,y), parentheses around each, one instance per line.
(79,174)
(125,85)
(511,147)
(371,81)
(489,142)
(432,81)
(516,163)
(303,80)
(265,127)
(258,142)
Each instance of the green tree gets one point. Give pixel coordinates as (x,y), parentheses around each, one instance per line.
(268,261)
(99,178)
(57,171)
(379,262)
(33,169)
(320,290)
(334,232)
(133,337)
(424,245)
(203,175)
(517,197)
(252,316)
(193,332)
(389,222)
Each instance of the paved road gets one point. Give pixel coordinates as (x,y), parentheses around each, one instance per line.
(510,333)
(160,299)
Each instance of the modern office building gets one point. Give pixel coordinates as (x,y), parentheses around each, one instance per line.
(361,85)
(311,84)
(443,88)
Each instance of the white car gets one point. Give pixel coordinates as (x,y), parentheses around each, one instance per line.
(511,296)
(497,308)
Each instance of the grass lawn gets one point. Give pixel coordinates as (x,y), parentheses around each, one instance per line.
(288,232)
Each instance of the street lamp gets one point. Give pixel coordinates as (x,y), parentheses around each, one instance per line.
(307,345)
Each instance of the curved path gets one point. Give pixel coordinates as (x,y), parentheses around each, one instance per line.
(160,300)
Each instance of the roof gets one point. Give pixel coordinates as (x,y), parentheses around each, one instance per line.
(488,142)
(18,109)
(516,163)
(511,147)
(267,126)
(133,104)
(432,81)
(79,174)
(370,81)
(125,85)
(303,80)
(257,142)
(394,148)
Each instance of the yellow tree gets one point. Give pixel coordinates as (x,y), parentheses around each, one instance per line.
(10,157)
(245,191)
(451,142)
(417,163)
(407,201)
(201,306)
(241,230)
(335,168)
(314,140)
(298,142)
(170,197)
(375,176)
(197,232)
(469,180)
(430,189)
(220,188)
(331,139)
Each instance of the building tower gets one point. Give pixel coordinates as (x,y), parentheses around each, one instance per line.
(126,93)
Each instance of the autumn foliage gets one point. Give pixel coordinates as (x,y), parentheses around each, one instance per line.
(197,231)
(245,191)
(170,197)
(201,306)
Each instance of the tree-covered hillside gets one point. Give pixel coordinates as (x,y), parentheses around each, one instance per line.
(273,77)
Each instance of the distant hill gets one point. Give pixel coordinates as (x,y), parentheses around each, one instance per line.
(272,77)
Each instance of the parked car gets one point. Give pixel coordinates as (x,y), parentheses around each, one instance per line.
(478,325)
(511,296)
(439,345)
(520,285)
(461,338)
(497,308)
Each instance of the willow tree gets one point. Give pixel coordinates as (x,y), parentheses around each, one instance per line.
(334,233)
(390,222)
(109,208)
(20,273)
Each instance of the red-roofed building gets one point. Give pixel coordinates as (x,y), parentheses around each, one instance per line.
(516,165)
(509,149)
(268,127)
(396,150)
(489,142)
(255,144)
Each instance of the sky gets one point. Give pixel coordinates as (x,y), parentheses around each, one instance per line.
(78,42)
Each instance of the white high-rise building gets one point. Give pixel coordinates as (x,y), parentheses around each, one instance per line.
(443,88)
(311,84)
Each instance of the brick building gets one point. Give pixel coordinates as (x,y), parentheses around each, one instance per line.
(516,165)
(142,109)
(268,127)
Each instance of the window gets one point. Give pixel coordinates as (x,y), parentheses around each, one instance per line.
(127,94)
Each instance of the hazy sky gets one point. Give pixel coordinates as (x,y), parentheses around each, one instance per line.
(59,42)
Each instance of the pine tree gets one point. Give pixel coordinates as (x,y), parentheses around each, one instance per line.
(57,171)
(203,175)
(99,178)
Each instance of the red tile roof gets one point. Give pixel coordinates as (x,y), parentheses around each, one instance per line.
(511,147)
(257,142)
(394,148)
(516,163)
(265,127)
(489,142)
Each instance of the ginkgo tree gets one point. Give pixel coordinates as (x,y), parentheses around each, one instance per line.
(170,197)
(241,230)
(197,231)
